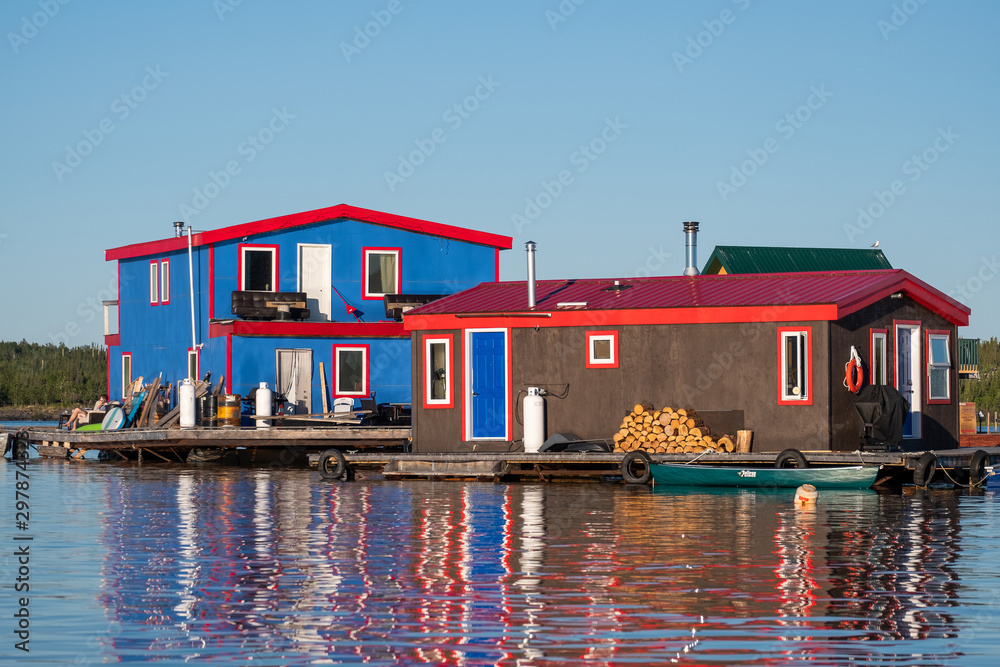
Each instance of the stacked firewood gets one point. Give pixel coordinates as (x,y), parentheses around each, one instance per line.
(668,431)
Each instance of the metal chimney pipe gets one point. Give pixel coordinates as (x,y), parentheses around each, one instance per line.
(691,246)
(529,247)
(178,229)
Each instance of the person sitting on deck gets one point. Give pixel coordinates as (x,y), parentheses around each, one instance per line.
(83,413)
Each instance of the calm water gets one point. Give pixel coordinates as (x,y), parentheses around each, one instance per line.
(262,567)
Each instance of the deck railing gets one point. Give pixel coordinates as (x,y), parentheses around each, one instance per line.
(968,357)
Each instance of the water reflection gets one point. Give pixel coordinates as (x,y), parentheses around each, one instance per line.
(221,564)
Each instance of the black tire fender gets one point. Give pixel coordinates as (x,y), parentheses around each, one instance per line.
(977,467)
(791,456)
(923,471)
(634,473)
(332,464)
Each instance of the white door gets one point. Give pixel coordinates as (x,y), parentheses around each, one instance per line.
(908,375)
(315,274)
(293,368)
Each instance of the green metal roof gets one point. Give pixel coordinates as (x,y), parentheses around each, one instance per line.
(754,259)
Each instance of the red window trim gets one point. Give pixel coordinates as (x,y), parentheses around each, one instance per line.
(366,378)
(809,366)
(871,354)
(165,284)
(614,349)
(257,246)
(449,341)
(927,367)
(364,271)
(154,274)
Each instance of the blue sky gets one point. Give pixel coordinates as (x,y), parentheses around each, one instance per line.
(594,129)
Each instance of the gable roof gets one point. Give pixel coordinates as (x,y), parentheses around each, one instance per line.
(759,259)
(829,295)
(309,218)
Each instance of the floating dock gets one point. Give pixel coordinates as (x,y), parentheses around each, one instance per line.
(385,451)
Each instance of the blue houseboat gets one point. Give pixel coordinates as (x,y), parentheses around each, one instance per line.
(272,300)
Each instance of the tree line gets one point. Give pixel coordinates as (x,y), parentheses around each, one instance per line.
(34,374)
(984,392)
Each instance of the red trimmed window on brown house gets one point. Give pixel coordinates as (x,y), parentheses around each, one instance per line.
(794,365)
(938,366)
(602,349)
(878,363)
(438,375)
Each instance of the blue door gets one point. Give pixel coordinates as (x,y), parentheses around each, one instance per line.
(489,384)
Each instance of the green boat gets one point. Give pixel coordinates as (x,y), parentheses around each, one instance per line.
(841,477)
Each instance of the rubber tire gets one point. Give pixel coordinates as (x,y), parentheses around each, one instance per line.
(977,467)
(791,456)
(626,468)
(332,464)
(924,471)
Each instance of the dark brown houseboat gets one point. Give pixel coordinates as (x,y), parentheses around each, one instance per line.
(768,348)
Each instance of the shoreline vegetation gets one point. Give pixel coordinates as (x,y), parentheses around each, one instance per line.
(38,382)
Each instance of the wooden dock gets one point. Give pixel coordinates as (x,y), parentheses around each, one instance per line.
(385,451)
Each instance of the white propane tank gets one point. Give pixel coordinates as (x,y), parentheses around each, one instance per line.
(264,396)
(185,398)
(534,420)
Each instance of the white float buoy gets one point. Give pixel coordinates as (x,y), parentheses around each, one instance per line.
(806,495)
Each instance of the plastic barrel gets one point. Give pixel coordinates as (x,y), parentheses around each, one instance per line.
(229,411)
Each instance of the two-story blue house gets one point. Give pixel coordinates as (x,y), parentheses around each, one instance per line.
(307,289)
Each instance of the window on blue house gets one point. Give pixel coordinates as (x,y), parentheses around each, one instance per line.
(165,281)
(154,283)
(382,272)
(126,372)
(258,268)
(350,370)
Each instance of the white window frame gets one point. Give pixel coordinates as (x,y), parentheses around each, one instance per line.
(399,271)
(154,283)
(363,392)
(803,369)
(165,282)
(935,364)
(882,357)
(612,338)
(429,371)
(126,377)
(192,368)
(244,249)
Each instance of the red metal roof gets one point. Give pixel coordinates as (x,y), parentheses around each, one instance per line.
(308,218)
(843,292)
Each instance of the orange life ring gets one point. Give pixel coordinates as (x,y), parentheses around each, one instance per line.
(855,376)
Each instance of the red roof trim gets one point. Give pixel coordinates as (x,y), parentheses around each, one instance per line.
(308,218)
(309,329)
(613,318)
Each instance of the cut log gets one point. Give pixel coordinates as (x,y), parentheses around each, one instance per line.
(744,441)
(726,444)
